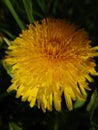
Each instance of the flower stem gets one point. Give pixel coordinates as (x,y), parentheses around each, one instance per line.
(14,14)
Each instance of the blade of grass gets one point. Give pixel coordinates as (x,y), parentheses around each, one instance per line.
(13,126)
(7,33)
(37,14)
(42,5)
(28,8)
(14,14)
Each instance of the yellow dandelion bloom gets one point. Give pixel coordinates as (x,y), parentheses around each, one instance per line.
(50,59)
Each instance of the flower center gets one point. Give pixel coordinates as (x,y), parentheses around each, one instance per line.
(52,49)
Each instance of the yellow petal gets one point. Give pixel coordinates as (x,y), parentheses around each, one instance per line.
(57,101)
(68,99)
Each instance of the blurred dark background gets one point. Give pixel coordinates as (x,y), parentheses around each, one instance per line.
(17,115)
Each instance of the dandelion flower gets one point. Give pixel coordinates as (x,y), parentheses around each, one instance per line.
(50,59)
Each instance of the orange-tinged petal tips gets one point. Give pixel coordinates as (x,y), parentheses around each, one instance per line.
(48,59)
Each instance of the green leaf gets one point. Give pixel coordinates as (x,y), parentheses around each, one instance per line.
(13,126)
(7,41)
(37,14)
(14,14)
(42,5)
(29,11)
(8,33)
(93,103)
(94,126)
